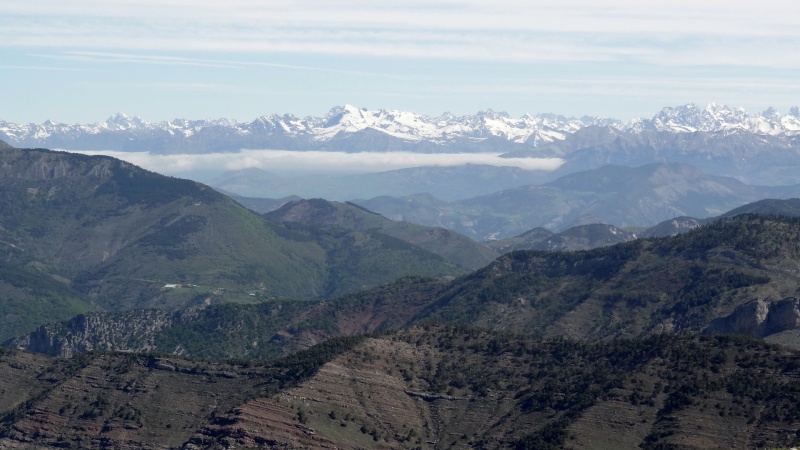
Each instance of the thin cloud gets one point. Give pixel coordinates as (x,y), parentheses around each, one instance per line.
(469,29)
(715,17)
(618,86)
(107,57)
(137,59)
(45,68)
(203,87)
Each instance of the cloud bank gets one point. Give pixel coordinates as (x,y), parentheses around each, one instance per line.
(286,161)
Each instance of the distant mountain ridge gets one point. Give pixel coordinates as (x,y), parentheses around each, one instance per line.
(445,183)
(319,213)
(360,129)
(581,237)
(614,194)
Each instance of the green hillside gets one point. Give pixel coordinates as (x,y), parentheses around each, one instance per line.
(104,234)
(29,298)
(120,233)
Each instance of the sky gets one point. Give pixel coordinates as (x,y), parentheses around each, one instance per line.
(82,61)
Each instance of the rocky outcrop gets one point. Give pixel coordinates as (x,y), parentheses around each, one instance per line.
(674,226)
(759,318)
(37,166)
(133,331)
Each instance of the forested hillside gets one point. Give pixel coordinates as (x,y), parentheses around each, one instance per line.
(677,284)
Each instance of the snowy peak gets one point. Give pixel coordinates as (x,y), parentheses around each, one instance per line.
(121,122)
(715,118)
(341,122)
(404,125)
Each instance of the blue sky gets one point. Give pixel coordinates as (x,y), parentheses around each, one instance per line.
(82,61)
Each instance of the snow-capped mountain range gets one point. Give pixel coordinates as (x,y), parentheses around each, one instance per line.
(357,129)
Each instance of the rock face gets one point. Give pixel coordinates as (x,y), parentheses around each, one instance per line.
(759,318)
(128,331)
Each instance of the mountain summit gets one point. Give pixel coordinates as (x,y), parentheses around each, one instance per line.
(360,129)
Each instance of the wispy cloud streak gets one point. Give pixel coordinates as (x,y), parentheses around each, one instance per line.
(108,57)
(673,32)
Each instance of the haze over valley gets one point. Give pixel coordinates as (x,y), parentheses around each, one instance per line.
(545,170)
